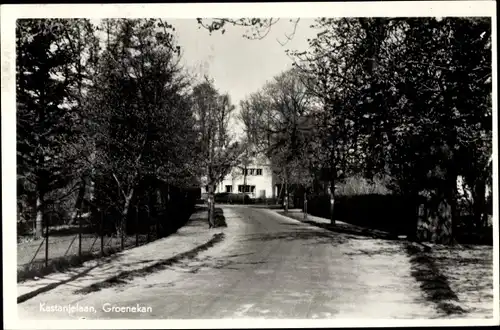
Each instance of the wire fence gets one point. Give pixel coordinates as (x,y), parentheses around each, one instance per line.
(85,239)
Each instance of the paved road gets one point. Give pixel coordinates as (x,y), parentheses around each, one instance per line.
(269,267)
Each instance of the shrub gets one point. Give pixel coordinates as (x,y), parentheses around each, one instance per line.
(265,201)
(356,185)
(231,198)
(219,219)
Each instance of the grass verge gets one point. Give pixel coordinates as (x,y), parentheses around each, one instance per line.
(60,264)
(63,263)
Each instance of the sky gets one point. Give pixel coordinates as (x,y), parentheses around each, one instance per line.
(239,66)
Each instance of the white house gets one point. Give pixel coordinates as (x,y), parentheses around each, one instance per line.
(259,180)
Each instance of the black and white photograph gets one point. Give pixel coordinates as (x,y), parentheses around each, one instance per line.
(272,164)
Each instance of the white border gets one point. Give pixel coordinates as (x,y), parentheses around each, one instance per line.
(9,13)
(285,9)
(496,242)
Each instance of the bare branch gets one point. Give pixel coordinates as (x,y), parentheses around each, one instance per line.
(119,186)
(290,36)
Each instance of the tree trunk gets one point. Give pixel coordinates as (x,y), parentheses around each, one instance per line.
(39,213)
(92,173)
(123,223)
(479,201)
(167,207)
(47,243)
(244,183)
(79,200)
(417,211)
(442,219)
(442,212)
(285,201)
(211,205)
(332,201)
(279,186)
(451,196)
(40,186)
(150,203)
(305,205)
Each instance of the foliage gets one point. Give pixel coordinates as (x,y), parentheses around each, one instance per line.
(361,186)
(109,107)
(404,97)
(101,111)
(144,109)
(47,116)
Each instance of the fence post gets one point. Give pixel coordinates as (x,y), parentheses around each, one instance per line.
(210,207)
(148,238)
(102,234)
(157,222)
(47,240)
(148,206)
(136,225)
(305,205)
(332,205)
(79,216)
(286,196)
(157,227)
(122,234)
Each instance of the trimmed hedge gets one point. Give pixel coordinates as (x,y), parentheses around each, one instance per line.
(231,198)
(395,214)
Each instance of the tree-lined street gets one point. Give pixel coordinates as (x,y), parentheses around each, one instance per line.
(374,141)
(271,267)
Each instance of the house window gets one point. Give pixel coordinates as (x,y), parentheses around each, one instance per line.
(252,171)
(229,188)
(258,171)
(247,189)
(244,171)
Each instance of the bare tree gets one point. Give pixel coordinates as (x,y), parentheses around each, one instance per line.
(275,119)
(218,152)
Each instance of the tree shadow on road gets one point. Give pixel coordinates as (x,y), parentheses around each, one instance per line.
(124,276)
(344,228)
(354,230)
(226,264)
(433,283)
(311,236)
(83,273)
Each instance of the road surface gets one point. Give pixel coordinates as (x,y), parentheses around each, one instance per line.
(269,266)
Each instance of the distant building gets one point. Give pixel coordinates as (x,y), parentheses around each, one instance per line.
(259,180)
